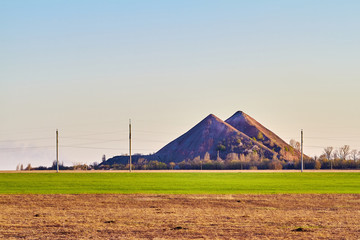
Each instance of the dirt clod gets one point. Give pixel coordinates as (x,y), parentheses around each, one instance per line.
(178,228)
(300,229)
(110,221)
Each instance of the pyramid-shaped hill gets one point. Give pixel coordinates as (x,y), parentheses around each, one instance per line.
(214,136)
(249,126)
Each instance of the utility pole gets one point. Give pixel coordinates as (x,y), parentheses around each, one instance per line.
(330,163)
(57,151)
(302,157)
(130,145)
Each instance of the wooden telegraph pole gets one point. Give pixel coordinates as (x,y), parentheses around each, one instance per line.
(130,145)
(57,151)
(302,155)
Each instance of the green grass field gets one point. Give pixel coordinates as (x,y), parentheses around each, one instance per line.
(179,183)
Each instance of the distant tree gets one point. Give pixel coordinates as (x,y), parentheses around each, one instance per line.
(196,159)
(106,167)
(218,156)
(207,156)
(354,154)
(28,167)
(255,156)
(103,159)
(242,158)
(275,165)
(344,152)
(233,164)
(248,157)
(116,166)
(295,144)
(219,164)
(183,165)
(21,167)
(54,164)
(141,163)
(17,167)
(317,165)
(172,165)
(328,152)
(41,168)
(232,156)
(79,166)
(157,165)
(95,165)
(142,160)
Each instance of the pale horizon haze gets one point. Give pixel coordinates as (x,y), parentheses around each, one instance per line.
(87,67)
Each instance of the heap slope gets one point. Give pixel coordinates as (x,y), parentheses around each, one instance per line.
(252,128)
(211,136)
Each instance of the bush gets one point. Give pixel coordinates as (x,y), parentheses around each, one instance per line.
(260,136)
(221,148)
(275,165)
(156,165)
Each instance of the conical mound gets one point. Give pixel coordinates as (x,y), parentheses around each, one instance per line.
(249,126)
(212,136)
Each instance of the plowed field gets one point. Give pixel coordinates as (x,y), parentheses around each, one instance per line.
(146,216)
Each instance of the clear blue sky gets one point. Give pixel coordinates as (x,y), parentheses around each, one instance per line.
(86,67)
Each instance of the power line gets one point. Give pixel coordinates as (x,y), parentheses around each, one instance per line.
(103,141)
(95,139)
(96,134)
(26,147)
(90,147)
(17,149)
(25,139)
(154,132)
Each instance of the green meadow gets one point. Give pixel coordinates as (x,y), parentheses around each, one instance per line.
(179,183)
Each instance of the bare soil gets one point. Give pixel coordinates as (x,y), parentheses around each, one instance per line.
(140,216)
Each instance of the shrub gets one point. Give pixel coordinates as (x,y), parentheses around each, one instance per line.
(260,136)
(221,148)
(275,165)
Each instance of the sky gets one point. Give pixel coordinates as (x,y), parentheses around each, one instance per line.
(87,67)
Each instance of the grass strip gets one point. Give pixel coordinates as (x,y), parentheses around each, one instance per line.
(178,183)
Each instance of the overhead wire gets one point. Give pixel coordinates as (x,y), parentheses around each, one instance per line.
(25,139)
(94,134)
(93,140)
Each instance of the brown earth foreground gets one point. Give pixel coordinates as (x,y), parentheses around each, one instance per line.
(135,216)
